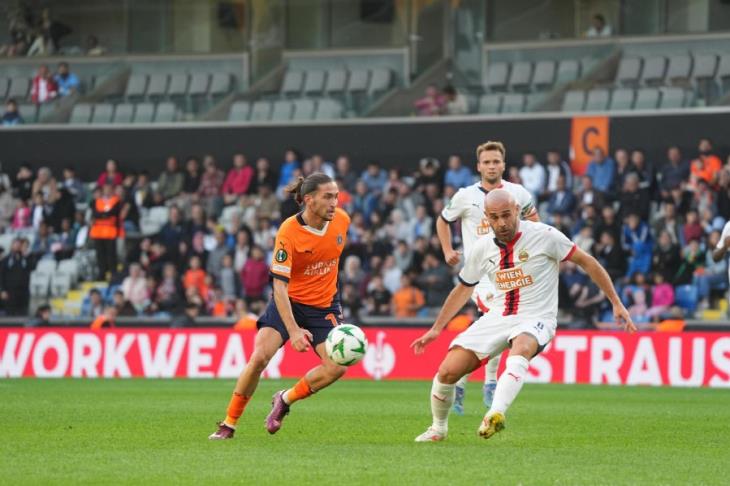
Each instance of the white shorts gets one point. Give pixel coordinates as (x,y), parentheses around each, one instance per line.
(483,293)
(493,332)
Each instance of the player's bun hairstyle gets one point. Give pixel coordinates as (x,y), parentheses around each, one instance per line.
(303,186)
(490,145)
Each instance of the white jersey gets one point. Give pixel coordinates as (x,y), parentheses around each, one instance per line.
(721,243)
(468,205)
(524,272)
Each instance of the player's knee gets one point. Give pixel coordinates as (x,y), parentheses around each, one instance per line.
(334,370)
(259,361)
(447,374)
(524,347)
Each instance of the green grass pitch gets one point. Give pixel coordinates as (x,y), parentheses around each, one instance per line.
(357,432)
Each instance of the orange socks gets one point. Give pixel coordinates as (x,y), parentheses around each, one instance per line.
(235,409)
(298,391)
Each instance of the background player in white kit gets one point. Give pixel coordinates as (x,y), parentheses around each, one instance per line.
(522,261)
(467,205)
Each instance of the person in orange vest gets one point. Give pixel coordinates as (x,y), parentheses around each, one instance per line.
(105,319)
(105,229)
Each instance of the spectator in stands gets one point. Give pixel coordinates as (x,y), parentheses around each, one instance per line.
(241,249)
(44,88)
(457,175)
(391,274)
(666,257)
(230,282)
(456,103)
(662,298)
(378,297)
(610,254)
(134,288)
(607,222)
(291,163)
(21,215)
(646,172)
(93,305)
(707,165)
(195,276)
(168,296)
(435,279)
(693,258)
(555,168)
(692,229)
(7,207)
(93,48)
(375,178)
(432,104)
(124,307)
(588,195)
(255,275)
(45,184)
(106,213)
(422,225)
(345,172)
(599,27)
(170,182)
(668,221)
(191,179)
(173,231)
(188,317)
(636,241)
(673,172)
(602,171)
(532,175)
(211,184)
(108,318)
(111,175)
(43,243)
(15,271)
(632,199)
(215,257)
(42,317)
(263,176)
(73,185)
(407,300)
(23,183)
(11,116)
(60,206)
(37,211)
(66,81)
(562,200)
(320,165)
(624,167)
(237,180)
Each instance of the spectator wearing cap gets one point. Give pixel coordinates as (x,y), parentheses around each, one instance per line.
(458,176)
(237,180)
(602,171)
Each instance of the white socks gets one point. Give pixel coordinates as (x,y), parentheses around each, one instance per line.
(490,370)
(462,381)
(509,384)
(442,398)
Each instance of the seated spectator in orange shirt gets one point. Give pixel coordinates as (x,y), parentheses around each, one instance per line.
(707,166)
(246,319)
(105,319)
(195,277)
(407,300)
(462,320)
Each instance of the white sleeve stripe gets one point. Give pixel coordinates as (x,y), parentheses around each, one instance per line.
(281,268)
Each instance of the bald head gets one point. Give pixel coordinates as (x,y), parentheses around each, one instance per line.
(502,213)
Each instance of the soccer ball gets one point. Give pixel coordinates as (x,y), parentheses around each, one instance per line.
(346,344)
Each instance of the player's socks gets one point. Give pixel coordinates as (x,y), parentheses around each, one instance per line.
(490,380)
(509,384)
(235,409)
(459,395)
(442,397)
(297,392)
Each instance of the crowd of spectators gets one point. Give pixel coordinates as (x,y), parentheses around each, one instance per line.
(652,224)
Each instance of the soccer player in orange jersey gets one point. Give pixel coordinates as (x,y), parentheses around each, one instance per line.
(305,305)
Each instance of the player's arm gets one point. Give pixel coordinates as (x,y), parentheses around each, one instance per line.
(300,338)
(721,250)
(443,230)
(599,275)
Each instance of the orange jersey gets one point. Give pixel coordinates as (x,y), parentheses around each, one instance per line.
(308,258)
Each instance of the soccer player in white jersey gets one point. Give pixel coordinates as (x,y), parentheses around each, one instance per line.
(522,261)
(467,205)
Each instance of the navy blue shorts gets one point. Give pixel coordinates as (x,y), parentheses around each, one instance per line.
(314,319)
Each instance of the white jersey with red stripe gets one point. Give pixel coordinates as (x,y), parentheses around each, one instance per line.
(468,206)
(524,272)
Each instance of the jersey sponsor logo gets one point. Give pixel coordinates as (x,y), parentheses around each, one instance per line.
(512,278)
(523,255)
(281,255)
(483,227)
(320,268)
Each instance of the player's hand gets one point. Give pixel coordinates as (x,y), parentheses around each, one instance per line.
(452,257)
(419,345)
(622,318)
(300,340)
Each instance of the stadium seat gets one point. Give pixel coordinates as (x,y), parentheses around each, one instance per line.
(60,284)
(199,84)
(260,111)
(6,239)
(103,113)
(39,284)
(574,100)
(4,87)
(686,297)
(520,76)
(159,214)
(239,111)
(220,84)
(124,113)
(144,112)
(19,88)
(165,113)
(497,77)
(622,99)
(568,70)
(328,110)
(723,72)
(178,86)
(647,99)
(282,110)
(46,109)
(535,100)
(544,76)
(490,103)
(336,82)
(680,67)
(292,83)
(672,98)
(304,109)
(381,80)
(358,81)
(654,70)
(46,265)
(71,267)
(703,73)
(597,100)
(136,87)
(586,64)
(629,72)
(513,103)
(29,112)
(81,113)
(157,86)
(314,82)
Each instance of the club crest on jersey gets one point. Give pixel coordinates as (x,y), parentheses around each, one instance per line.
(339,239)
(523,255)
(281,255)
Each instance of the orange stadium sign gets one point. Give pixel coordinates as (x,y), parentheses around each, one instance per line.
(587,133)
